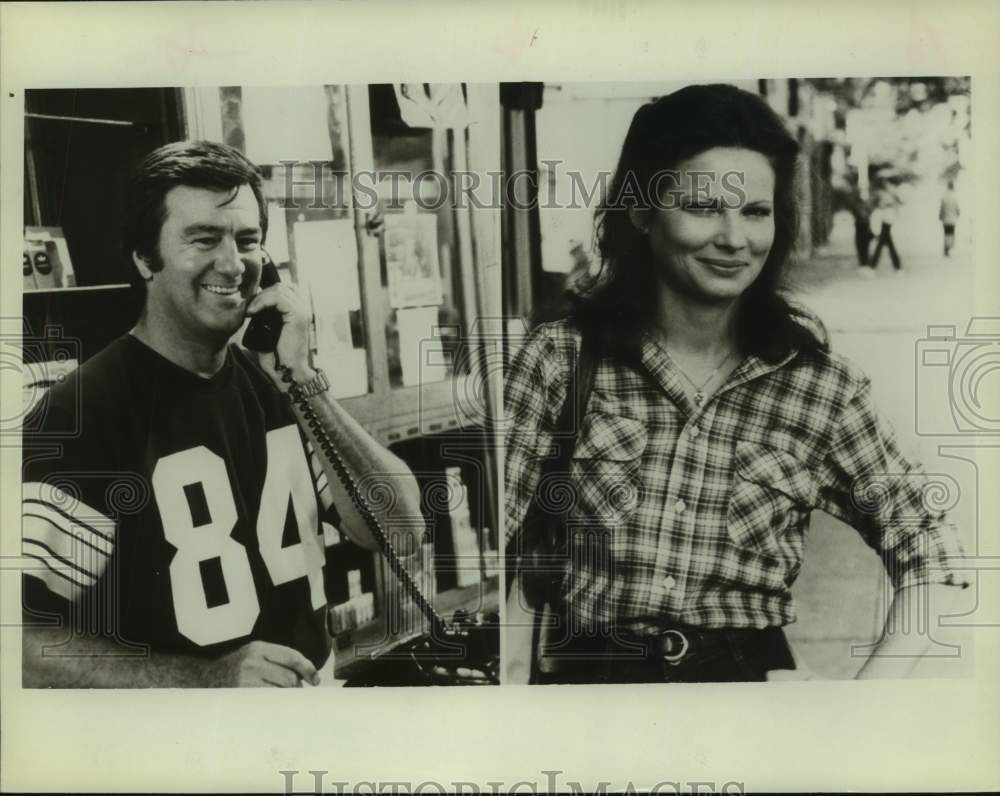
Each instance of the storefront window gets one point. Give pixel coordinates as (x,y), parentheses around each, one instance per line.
(422,281)
(297,136)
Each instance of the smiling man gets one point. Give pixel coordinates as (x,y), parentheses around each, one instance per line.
(181,526)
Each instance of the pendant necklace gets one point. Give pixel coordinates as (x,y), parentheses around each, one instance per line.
(699,390)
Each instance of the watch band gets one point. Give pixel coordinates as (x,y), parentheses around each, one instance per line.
(300,393)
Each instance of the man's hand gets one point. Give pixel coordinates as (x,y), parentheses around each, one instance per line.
(262,664)
(293,344)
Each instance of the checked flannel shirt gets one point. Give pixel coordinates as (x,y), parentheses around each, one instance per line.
(697,515)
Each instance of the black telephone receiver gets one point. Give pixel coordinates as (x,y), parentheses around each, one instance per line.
(264,328)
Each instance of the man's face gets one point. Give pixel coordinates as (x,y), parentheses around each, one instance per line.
(210,251)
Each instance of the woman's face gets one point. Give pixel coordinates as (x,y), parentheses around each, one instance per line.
(714,227)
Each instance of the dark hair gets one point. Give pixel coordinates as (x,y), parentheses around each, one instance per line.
(664,133)
(199,164)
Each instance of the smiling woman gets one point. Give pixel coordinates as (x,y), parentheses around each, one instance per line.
(706,246)
(700,417)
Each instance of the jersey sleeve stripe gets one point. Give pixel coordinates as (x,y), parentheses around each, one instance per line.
(71,508)
(319,478)
(331,535)
(41,527)
(325,497)
(315,465)
(38,507)
(69,525)
(56,581)
(62,566)
(89,570)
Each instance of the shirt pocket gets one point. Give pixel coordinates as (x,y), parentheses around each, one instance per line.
(606,467)
(772,492)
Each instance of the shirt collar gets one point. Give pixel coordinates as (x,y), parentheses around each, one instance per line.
(656,362)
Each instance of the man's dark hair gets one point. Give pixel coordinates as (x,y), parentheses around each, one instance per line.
(620,302)
(198,164)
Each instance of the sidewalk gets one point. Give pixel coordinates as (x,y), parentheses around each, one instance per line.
(876,321)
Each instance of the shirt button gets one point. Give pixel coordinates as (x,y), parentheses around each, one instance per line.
(694,431)
(679,506)
(669,582)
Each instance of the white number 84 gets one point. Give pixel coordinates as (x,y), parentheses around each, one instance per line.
(287,475)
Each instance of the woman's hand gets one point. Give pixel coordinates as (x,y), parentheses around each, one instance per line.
(911,627)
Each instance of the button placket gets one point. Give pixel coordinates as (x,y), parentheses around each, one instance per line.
(678,513)
(677,553)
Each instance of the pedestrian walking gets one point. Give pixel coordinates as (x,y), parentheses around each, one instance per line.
(883,218)
(948,214)
(861,211)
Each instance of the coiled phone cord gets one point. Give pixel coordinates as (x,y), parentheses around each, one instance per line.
(439,627)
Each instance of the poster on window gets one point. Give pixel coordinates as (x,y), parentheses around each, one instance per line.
(411,255)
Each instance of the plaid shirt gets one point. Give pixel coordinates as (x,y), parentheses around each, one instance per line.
(697,515)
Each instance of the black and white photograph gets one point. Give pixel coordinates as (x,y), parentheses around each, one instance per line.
(232,472)
(717,354)
(548,397)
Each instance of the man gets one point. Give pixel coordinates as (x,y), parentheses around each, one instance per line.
(179,522)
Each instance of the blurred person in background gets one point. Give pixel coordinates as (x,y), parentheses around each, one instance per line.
(948,215)
(886,211)
(861,213)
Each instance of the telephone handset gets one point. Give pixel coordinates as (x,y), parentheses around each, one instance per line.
(264,328)
(478,640)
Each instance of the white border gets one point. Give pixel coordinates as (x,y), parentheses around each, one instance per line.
(832,736)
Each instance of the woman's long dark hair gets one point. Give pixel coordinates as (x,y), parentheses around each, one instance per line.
(619,304)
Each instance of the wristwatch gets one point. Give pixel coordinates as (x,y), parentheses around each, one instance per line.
(300,393)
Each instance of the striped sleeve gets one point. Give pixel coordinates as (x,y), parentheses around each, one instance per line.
(70,541)
(320,482)
(329,517)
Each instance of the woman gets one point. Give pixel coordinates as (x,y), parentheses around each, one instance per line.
(717,421)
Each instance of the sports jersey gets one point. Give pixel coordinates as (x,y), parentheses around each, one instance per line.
(175,511)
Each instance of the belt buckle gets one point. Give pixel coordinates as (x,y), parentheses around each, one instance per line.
(675,658)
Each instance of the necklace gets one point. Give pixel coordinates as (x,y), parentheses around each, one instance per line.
(699,389)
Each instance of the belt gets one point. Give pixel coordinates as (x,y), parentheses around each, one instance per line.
(678,653)
(674,645)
